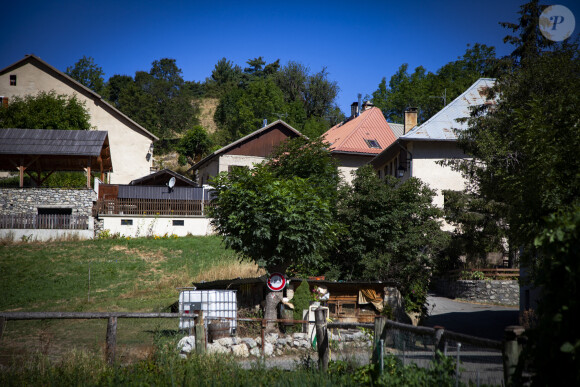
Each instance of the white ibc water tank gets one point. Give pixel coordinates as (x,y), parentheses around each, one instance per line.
(213,303)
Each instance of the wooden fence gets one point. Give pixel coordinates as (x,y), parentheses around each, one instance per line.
(511,347)
(151,207)
(49,221)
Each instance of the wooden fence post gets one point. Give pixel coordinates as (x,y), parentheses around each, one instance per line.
(512,349)
(321,339)
(380,334)
(199,333)
(111,340)
(439,342)
(263,336)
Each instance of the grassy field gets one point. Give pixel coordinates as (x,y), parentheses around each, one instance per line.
(126,275)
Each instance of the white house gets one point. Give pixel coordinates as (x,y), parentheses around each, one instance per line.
(419,150)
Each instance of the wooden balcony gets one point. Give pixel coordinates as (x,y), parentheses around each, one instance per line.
(151,207)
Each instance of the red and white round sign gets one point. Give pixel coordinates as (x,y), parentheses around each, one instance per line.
(276,282)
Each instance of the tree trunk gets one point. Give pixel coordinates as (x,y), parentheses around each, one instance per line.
(270,312)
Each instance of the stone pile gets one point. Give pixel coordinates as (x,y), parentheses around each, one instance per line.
(275,344)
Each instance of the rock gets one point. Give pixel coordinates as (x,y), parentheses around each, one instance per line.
(304,343)
(255,352)
(186,344)
(240,350)
(281,342)
(296,343)
(251,343)
(299,336)
(278,352)
(268,349)
(225,341)
(271,338)
(217,348)
(259,341)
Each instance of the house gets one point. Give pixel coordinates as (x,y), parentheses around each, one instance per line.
(419,151)
(131,144)
(151,206)
(45,213)
(245,152)
(358,140)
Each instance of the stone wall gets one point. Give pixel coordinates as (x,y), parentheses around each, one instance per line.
(484,291)
(28,200)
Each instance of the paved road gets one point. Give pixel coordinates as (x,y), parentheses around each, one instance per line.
(480,320)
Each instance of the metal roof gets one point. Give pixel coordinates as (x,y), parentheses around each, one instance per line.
(353,136)
(162,177)
(398,129)
(54,150)
(51,142)
(441,127)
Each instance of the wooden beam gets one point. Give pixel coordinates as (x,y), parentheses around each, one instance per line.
(21,173)
(89,173)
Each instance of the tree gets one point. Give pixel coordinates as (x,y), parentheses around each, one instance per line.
(392,233)
(46,110)
(160,100)
(193,145)
(428,91)
(88,73)
(274,219)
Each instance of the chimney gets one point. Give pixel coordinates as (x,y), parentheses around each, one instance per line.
(354,110)
(367,105)
(410,119)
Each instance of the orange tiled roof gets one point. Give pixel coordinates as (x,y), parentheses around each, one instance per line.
(358,134)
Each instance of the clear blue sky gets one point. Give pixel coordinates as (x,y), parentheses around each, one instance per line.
(358,41)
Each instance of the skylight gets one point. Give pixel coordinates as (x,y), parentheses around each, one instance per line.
(373,144)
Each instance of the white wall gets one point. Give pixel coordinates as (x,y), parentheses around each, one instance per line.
(426,156)
(156,226)
(129,148)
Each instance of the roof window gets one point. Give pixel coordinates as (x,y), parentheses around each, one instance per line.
(373,144)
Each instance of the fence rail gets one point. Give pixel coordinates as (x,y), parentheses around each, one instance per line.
(44,221)
(510,348)
(151,207)
(488,273)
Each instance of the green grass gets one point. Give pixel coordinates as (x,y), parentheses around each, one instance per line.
(134,275)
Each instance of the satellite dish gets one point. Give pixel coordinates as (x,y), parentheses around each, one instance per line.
(171,183)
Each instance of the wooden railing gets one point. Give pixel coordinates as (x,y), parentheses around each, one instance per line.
(50,222)
(488,273)
(151,207)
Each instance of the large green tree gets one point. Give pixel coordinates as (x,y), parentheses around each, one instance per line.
(392,233)
(194,144)
(160,99)
(88,73)
(46,110)
(274,217)
(524,152)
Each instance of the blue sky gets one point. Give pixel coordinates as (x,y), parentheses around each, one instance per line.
(359,42)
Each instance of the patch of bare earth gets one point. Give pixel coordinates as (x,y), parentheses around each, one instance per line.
(229,271)
(208,107)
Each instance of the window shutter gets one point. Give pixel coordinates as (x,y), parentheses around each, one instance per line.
(5,101)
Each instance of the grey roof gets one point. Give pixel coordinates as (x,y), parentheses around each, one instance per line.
(441,126)
(82,88)
(162,192)
(163,176)
(51,142)
(398,129)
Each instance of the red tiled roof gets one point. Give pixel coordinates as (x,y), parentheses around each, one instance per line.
(351,135)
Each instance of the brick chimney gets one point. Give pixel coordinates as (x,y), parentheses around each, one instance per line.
(410,119)
(367,105)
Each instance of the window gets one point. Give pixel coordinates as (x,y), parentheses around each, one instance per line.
(54,211)
(3,101)
(12,80)
(373,144)
(179,222)
(126,222)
